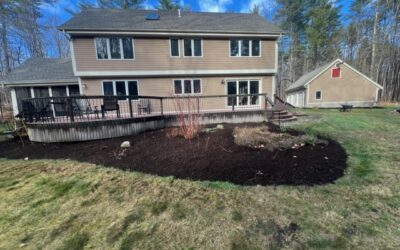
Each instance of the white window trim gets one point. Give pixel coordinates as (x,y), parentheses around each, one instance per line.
(179,47)
(320,95)
(183,85)
(240,46)
(109,50)
(115,86)
(340,73)
(237,89)
(192,47)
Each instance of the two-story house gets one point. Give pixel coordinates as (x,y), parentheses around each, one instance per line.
(159,53)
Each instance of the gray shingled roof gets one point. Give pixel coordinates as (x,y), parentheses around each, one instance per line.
(135,20)
(41,70)
(306,78)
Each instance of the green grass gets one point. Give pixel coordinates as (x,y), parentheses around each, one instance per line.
(56,204)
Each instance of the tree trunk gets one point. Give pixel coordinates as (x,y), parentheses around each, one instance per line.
(4,42)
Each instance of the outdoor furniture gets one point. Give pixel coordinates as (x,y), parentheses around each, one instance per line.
(144,106)
(345,108)
(31,112)
(110,104)
(83,107)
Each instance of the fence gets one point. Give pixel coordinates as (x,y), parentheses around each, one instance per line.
(91,108)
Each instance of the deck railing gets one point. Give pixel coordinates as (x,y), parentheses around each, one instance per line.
(90,108)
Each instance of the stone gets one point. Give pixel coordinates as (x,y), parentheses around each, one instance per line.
(125,144)
(26,158)
(219,126)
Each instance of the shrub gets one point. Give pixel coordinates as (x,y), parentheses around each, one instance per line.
(189,118)
(260,137)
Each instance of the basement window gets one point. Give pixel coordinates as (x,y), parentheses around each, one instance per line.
(335,72)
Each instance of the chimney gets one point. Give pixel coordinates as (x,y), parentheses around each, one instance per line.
(179,13)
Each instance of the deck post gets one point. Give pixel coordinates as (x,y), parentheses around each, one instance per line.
(162,106)
(70,109)
(198,105)
(130,106)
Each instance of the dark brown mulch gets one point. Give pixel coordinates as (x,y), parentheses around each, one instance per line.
(212,156)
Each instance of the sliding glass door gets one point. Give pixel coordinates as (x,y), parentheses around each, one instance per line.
(246,88)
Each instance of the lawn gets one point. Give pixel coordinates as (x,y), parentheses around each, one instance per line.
(63,204)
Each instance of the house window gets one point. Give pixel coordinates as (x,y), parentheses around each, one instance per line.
(114,48)
(318,95)
(243,87)
(192,47)
(187,86)
(120,88)
(174,47)
(335,72)
(244,47)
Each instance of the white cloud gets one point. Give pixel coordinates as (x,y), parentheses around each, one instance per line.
(246,8)
(265,5)
(55,7)
(214,5)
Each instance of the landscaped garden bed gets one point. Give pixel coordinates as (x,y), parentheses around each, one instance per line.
(268,157)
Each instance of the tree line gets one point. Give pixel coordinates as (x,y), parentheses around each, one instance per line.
(366,35)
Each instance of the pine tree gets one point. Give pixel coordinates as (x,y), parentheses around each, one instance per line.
(168,5)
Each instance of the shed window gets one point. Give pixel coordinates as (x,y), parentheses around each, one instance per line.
(335,72)
(318,95)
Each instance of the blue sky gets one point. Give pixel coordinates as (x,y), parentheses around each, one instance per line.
(58,9)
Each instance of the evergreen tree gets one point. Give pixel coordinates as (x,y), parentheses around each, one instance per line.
(168,5)
(321,32)
(121,4)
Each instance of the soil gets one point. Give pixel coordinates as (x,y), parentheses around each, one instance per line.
(212,156)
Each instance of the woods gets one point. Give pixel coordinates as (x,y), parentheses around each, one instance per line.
(366,34)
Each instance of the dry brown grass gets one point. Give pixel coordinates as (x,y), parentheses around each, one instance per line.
(261,137)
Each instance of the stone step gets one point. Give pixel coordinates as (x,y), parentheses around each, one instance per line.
(290,119)
(282,116)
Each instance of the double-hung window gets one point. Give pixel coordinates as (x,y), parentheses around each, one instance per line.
(187,86)
(246,89)
(193,47)
(114,48)
(120,88)
(245,47)
(174,44)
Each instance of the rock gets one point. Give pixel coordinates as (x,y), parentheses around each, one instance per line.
(219,126)
(125,144)
(26,158)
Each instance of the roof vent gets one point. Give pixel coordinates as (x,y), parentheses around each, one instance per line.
(153,17)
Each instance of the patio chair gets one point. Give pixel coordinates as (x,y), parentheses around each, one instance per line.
(144,106)
(110,104)
(39,112)
(83,107)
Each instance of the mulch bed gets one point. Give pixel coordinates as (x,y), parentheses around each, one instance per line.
(212,156)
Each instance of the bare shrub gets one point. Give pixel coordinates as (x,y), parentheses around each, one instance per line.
(188,116)
(261,137)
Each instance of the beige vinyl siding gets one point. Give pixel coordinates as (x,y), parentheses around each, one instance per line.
(164,87)
(350,87)
(154,54)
